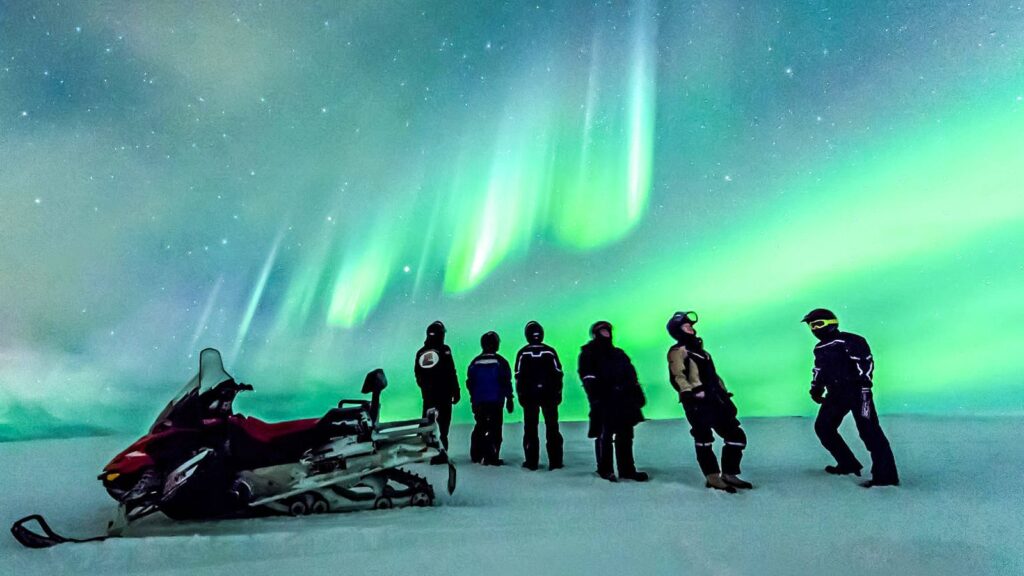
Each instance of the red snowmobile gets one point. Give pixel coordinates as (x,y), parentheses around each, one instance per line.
(201,460)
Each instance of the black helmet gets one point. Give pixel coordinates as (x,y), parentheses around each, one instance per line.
(534,332)
(436,332)
(489,342)
(676,322)
(818,314)
(820,318)
(597,327)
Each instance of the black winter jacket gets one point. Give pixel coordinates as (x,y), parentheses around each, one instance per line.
(538,375)
(436,376)
(612,387)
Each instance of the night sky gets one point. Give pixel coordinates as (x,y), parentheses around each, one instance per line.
(306,186)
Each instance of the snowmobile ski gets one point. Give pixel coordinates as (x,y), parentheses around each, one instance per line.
(46,537)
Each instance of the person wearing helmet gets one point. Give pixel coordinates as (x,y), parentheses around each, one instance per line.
(707,404)
(616,402)
(438,381)
(539,386)
(841,382)
(489,382)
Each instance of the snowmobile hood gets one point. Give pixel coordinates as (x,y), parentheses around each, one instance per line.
(135,457)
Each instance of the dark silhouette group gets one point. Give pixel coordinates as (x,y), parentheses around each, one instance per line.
(841,383)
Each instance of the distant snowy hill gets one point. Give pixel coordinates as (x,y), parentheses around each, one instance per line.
(34,421)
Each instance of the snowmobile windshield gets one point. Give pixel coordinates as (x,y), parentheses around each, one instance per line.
(184,405)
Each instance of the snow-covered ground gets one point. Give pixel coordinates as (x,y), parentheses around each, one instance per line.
(960,511)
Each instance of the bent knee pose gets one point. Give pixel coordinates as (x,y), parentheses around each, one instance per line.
(842,383)
(708,405)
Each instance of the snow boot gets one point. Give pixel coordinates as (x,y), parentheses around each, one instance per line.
(555,466)
(872,483)
(842,471)
(439,459)
(635,476)
(736,482)
(715,481)
(531,466)
(608,476)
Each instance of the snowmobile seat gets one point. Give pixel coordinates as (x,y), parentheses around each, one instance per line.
(347,421)
(267,433)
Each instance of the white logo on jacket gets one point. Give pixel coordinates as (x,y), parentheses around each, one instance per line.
(429,359)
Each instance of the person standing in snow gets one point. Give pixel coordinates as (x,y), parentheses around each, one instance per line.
(489,382)
(438,381)
(539,386)
(616,402)
(707,404)
(841,383)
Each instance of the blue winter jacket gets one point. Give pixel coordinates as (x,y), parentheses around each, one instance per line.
(489,379)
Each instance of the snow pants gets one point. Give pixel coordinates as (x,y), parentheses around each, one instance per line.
(707,416)
(485,442)
(531,438)
(862,405)
(617,440)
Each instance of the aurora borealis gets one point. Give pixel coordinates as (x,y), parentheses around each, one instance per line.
(307,186)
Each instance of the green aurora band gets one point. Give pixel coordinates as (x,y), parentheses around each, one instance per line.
(615,163)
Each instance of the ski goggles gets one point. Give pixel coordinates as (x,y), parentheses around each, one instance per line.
(685,317)
(819,324)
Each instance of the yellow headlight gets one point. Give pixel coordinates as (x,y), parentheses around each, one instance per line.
(113,476)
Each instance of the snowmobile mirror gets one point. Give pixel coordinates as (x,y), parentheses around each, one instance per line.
(375,382)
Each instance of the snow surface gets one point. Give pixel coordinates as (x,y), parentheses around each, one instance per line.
(958,512)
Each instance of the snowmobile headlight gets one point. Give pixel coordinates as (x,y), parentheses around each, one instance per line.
(112,476)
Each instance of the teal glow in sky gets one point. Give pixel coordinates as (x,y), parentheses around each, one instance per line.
(306,187)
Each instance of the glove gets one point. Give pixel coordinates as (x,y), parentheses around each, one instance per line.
(509,405)
(818,395)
